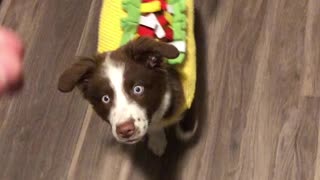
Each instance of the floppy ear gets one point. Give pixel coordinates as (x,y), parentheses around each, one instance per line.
(150,51)
(75,75)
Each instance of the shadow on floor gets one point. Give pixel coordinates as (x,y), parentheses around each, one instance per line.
(155,168)
(209,8)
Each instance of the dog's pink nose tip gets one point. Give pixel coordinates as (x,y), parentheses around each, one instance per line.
(126,129)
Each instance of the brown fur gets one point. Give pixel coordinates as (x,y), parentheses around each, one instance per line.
(144,65)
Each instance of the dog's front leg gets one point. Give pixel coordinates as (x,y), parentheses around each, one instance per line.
(157,142)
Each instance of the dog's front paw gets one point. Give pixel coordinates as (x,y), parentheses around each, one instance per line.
(157,142)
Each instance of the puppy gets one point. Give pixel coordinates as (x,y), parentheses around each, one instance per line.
(132,89)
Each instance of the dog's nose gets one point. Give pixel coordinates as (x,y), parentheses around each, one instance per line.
(126,129)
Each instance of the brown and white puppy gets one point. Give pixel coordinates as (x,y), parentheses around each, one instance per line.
(131,88)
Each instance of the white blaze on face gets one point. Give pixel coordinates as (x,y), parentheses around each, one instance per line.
(123,108)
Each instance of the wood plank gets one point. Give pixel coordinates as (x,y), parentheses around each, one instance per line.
(87,47)
(311,77)
(297,147)
(38,137)
(276,90)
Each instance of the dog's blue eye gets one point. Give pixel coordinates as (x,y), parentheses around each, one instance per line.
(138,90)
(105,99)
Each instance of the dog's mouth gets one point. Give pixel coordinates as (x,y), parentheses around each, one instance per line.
(133,141)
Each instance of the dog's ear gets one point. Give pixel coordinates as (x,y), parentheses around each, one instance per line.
(76,74)
(150,52)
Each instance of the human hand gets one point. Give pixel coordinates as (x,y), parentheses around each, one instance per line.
(11,56)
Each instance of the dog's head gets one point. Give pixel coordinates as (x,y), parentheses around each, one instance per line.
(127,87)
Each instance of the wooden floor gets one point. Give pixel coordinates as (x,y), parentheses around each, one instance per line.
(258,97)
